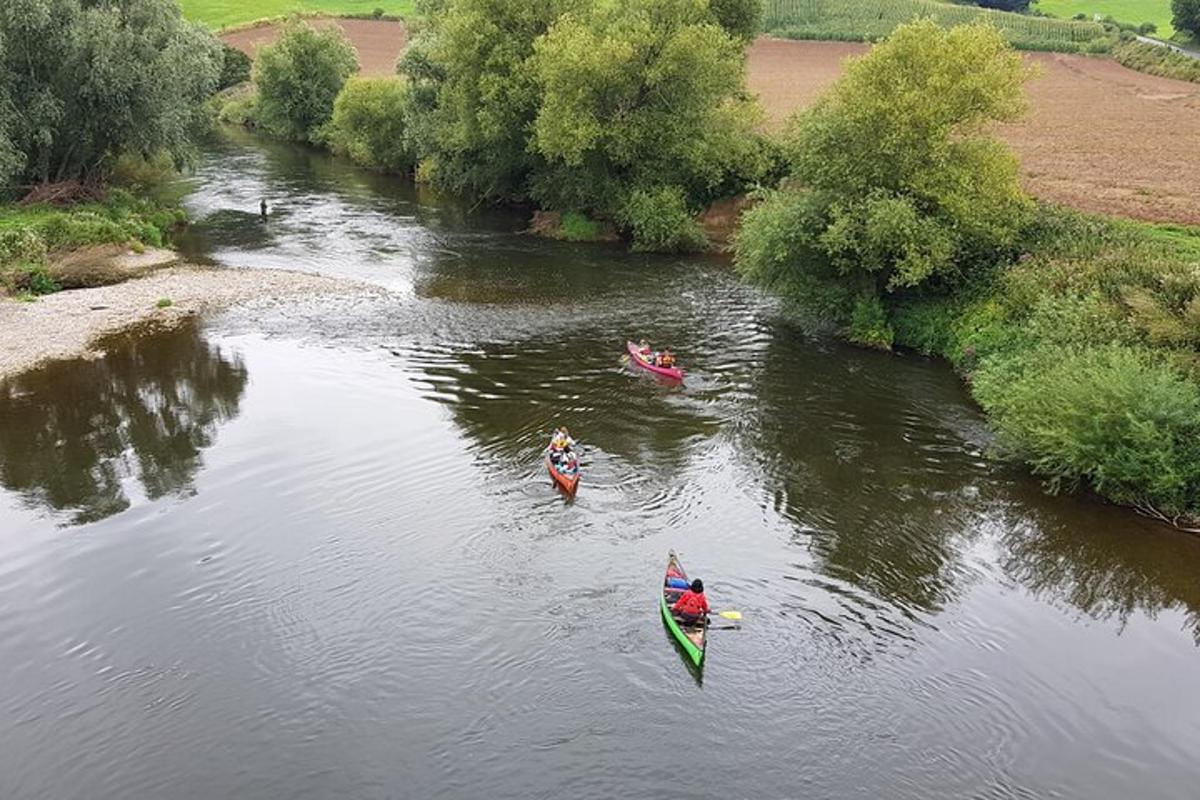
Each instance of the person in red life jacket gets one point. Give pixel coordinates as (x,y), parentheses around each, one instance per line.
(692,604)
(666,358)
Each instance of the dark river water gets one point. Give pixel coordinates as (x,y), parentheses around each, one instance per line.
(309,549)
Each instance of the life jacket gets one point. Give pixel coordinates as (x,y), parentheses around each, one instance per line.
(691,604)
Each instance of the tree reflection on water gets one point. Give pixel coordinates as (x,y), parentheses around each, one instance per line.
(74,433)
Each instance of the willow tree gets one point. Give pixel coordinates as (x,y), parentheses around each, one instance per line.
(87,80)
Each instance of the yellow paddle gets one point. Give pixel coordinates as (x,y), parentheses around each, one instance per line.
(734,615)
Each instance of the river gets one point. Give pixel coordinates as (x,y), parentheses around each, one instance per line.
(310,550)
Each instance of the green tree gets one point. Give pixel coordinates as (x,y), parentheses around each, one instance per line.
(742,19)
(643,98)
(906,188)
(1185,15)
(298,78)
(369,124)
(475,94)
(87,81)
(11,160)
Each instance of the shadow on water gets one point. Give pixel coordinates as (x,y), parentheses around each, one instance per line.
(74,432)
(1108,571)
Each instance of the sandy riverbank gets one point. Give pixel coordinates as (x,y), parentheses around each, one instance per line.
(68,324)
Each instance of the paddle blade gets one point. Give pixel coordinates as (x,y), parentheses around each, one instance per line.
(735,615)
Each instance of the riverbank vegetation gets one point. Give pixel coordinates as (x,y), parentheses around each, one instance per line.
(93,94)
(1080,336)
(634,116)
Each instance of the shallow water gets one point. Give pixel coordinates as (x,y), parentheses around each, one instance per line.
(310,550)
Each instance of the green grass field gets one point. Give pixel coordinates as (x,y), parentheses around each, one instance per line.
(218,14)
(1135,11)
(868,20)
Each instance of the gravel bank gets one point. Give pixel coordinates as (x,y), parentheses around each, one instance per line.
(66,325)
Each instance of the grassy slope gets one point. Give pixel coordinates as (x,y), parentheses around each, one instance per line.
(226,13)
(1135,11)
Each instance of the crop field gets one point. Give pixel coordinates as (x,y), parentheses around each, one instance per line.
(218,14)
(1135,11)
(867,20)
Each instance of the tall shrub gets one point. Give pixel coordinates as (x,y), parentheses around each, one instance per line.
(369,124)
(298,77)
(906,186)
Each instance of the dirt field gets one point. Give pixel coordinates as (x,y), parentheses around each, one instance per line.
(1099,137)
(379,42)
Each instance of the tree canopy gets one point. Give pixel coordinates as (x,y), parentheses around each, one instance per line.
(84,80)
(299,77)
(635,111)
(904,185)
(1185,15)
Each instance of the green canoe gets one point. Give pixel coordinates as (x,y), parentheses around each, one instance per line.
(692,636)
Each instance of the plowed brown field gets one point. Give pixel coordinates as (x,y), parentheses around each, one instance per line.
(1099,137)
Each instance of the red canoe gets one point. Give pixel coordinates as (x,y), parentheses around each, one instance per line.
(666,372)
(567,481)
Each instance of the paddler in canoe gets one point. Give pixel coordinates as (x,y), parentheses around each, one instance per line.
(661,362)
(692,605)
(562,460)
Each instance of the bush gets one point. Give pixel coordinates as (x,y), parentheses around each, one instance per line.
(240,110)
(648,94)
(235,69)
(575,227)
(659,221)
(298,77)
(369,124)
(903,189)
(1117,417)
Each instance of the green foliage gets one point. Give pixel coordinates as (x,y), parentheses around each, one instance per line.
(475,95)
(903,188)
(660,221)
(164,302)
(241,109)
(235,68)
(85,81)
(633,112)
(641,95)
(1119,418)
(575,227)
(369,124)
(298,78)
(775,248)
(1157,60)
(1185,15)
(869,325)
(741,19)
(29,233)
(871,20)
